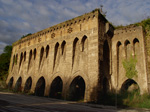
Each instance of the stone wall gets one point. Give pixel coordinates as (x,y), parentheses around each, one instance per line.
(129,42)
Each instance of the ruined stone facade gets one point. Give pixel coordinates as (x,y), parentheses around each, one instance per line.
(77,59)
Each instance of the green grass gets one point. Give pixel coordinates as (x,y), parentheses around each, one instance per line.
(126,99)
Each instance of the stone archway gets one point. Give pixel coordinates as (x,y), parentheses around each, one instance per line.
(28,85)
(18,87)
(40,87)
(77,89)
(56,88)
(130,85)
(10,83)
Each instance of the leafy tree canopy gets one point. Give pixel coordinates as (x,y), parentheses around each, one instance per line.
(4,62)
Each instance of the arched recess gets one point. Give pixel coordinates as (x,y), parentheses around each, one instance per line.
(130,85)
(40,87)
(136,46)
(77,89)
(56,54)
(30,58)
(13,62)
(21,58)
(84,43)
(118,48)
(16,60)
(41,55)
(18,87)
(104,78)
(34,53)
(75,50)
(10,83)
(25,56)
(127,48)
(47,50)
(28,85)
(63,48)
(56,88)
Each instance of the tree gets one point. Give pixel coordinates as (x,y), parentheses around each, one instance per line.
(4,62)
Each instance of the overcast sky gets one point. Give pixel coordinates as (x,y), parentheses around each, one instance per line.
(20,17)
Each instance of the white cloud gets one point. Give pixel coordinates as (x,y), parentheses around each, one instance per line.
(19,17)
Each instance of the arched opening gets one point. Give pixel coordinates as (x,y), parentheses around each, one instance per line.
(130,86)
(47,50)
(104,77)
(127,48)
(56,53)
(77,89)
(75,49)
(106,61)
(13,62)
(10,83)
(41,55)
(118,60)
(84,43)
(63,47)
(21,58)
(136,46)
(30,57)
(28,85)
(40,87)
(16,60)
(34,54)
(56,88)
(18,87)
(25,56)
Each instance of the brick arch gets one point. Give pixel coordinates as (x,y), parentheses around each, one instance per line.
(25,56)
(34,52)
(118,51)
(18,84)
(56,88)
(28,84)
(136,46)
(56,55)
(76,48)
(10,83)
(47,51)
(77,88)
(130,85)
(63,47)
(41,55)
(21,59)
(30,58)
(127,48)
(40,87)
(84,43)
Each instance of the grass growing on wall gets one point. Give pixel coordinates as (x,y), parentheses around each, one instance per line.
(130,67)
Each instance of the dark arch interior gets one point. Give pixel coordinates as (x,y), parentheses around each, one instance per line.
(130,85)
(77,89)
(105,67)
(18,85)
(47,50)
(34,53)
(10,83)
(105,85)
(40,87)
(83,42)
(56,88)
(63,47)
(28,85)
(135,40)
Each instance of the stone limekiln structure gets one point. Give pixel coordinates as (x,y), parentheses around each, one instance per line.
(78,59)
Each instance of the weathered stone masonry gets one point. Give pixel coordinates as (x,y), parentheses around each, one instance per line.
(77,59)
